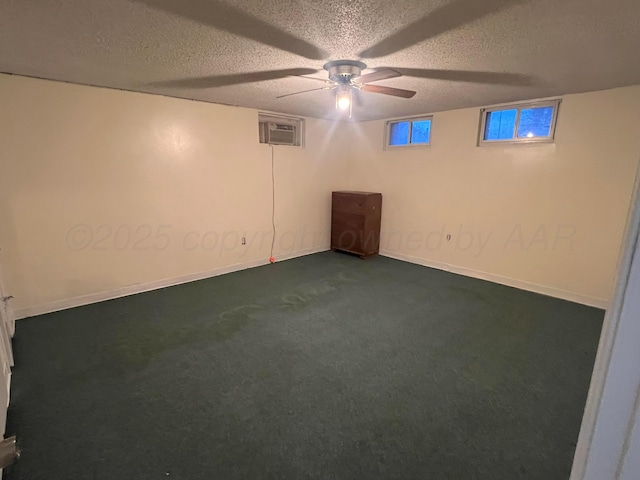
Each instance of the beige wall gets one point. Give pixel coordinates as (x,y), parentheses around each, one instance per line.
(105,192)
(102,190)
(546,217)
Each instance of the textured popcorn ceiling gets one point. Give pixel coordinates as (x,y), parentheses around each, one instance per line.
(565,46)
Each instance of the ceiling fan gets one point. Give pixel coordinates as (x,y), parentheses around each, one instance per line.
(344,76)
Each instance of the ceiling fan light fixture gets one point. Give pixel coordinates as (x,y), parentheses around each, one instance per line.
(346,75)
(344,101)
(343,98)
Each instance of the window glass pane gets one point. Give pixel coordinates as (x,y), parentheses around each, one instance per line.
(399,133)
(535,122)
(421,131)
(500,125)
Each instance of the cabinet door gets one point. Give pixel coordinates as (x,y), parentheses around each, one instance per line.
(347,231)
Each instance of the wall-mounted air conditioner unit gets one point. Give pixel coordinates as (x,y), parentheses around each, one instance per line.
(280,130)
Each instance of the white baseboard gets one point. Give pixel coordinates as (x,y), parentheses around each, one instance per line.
(64,304)
(511,282)
(155,285)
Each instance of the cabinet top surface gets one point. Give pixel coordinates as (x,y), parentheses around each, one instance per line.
(350,192)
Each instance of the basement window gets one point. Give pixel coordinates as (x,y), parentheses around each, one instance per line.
(408,132)
(281,130)
(521,123)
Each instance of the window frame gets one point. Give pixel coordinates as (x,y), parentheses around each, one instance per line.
(387,132)
(484,112)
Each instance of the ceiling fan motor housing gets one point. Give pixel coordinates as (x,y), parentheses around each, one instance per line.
(342,71)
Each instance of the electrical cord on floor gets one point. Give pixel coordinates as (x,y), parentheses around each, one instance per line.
(273,205)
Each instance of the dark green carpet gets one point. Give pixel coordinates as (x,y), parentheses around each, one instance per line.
(322,367)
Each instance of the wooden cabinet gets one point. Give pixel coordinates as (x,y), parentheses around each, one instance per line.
(355,222)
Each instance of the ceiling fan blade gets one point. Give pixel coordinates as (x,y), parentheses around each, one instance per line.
(223,16)
(396,92)
(212,81)
(376,76)
(448,17)
(323,80)
(496,78)
(305,91)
